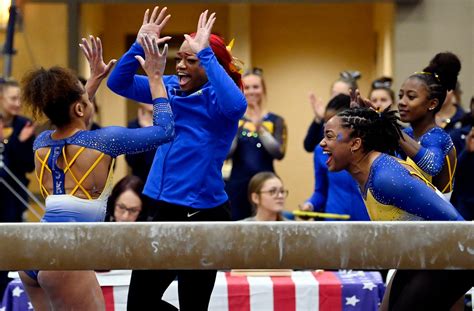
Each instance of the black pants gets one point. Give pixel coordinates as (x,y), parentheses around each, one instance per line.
(428,289)
(194,286)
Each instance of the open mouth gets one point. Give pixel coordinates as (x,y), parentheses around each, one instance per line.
(330,158)
(183,78)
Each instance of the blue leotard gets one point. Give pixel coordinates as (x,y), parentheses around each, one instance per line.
(112,141)
(335,192)
(392,193)
(430,159)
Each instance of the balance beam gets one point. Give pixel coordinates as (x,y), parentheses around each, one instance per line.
(237,245)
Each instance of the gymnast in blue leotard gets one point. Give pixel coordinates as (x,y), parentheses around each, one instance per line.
(426,145)
(360,141)
(74,166)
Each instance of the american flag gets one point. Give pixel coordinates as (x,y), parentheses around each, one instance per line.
(303,290)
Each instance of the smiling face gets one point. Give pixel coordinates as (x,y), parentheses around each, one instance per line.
(11,101)
(253,89)
(414,103)
(336,143)
(190,73)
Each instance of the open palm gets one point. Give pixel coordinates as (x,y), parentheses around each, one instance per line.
(203,32)
(93,53)
(154,24)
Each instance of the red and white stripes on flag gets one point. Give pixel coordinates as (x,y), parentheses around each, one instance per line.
(303,290)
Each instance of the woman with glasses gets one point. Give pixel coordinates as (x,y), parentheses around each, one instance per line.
(267,196)
(126,202)
(260,139)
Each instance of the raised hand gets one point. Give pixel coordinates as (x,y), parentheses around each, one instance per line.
(203,32)
(357,101)
(155,62)
(318,106)
(93,53)
(154,24)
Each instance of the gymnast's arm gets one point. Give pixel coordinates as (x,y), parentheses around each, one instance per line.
(395,186)
(430,153)
(123,80)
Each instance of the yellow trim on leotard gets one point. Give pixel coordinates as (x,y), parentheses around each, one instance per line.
(44,165)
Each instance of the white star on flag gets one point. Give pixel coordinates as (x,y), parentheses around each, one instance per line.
(30,306)
(3,308)
(17,291)
(352,301)
(369,285)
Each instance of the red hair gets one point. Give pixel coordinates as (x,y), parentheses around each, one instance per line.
(223,57)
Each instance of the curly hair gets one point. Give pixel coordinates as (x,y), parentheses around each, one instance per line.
(440,76)
(51,92)
(379,131)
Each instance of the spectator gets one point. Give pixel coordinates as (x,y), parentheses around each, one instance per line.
(347,81)
(18,137)
(126,202)
(450,116)
(267,196)
(381,95)
(261,138)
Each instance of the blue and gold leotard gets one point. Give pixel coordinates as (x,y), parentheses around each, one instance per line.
(111,141)
(392,193)
(435,147)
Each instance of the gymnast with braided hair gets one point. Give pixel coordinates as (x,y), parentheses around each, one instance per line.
(424,145)
(74,165)
(363,142)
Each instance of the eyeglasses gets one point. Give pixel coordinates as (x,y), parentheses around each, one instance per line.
(123,209)
(274,192)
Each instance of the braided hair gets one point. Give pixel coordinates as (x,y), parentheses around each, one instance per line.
(440,76)
(379,131)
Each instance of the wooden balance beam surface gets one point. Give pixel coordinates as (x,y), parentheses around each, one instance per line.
(237,245)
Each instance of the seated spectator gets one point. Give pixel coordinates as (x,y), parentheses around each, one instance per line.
(126,203)
(267,196)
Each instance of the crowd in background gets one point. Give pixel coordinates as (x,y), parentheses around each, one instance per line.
(254,189)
